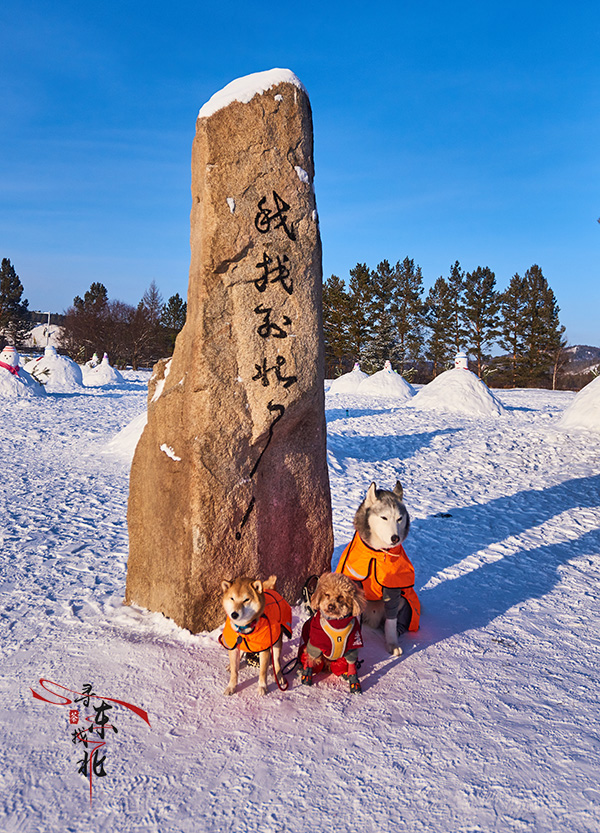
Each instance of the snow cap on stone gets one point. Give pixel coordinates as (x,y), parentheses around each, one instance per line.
(584,410)
(244,89)
(459,391)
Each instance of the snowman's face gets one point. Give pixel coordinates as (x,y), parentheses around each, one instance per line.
(9,356)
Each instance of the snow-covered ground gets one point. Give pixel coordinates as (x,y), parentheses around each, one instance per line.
(488,722)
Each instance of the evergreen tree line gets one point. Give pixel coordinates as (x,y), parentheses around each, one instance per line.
(383,313)
(131,335)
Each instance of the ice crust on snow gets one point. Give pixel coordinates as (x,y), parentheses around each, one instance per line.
(244,89)
(584,410)
(459,391)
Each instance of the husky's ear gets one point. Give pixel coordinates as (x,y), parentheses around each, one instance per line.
(270,583)
(398,490)
(371,495)
(258,586)
(225,585)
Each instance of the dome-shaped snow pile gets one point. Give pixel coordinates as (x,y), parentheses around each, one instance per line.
(459,391)
(59,374)
(584,410)
(14,380)
(348,382)
(386,382)
(102,374)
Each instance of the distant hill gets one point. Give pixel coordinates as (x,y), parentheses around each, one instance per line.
(582,359)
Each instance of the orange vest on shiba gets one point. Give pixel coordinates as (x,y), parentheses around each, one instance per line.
(276,617)
(377,569)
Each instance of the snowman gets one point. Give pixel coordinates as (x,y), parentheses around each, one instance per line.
(9,359)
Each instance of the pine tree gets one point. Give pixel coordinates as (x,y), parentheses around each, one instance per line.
(438,313)
(172,319)
(543,331)
(14,313)
(513,303)
(336,326)
(408,312)
(382,344)
(360,330)
(456,284)
(86,328)
(481,305)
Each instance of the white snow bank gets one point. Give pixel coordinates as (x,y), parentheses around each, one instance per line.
(584,410)
(348,382)
(59,374)
(123,444)
(244,89)
(102,374)
(41,335)
(459,391)
(386,382)
(21,384)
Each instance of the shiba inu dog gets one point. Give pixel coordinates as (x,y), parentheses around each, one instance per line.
(257,618)
(376,559)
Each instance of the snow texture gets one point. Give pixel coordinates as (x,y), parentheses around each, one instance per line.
(59,374)
(584,411)
(487,723)
(459,391)
(244,89)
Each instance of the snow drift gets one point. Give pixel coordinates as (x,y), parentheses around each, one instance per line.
(459,391)
(584,410)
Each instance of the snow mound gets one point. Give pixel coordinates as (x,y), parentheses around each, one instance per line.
(102,374)
(59,374)
(244,89)
(124,443)
(584,410)
(459,391)
(21,384)
(42,335)
(348,382)
(386,382)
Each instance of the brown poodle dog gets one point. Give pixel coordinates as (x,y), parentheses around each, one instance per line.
(331,638)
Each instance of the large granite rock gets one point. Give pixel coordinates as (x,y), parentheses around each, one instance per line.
(230,475)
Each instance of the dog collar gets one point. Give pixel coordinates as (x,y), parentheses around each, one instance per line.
(244,628)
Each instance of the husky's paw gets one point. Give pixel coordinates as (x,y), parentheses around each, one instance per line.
(391,638)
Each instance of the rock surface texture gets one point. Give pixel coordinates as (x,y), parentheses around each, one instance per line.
(230,475)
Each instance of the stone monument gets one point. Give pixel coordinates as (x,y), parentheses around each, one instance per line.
(230,475)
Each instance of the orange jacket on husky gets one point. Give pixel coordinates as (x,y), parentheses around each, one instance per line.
(265,631)
(377,569)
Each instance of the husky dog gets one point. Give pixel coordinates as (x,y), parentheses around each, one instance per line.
(377,560)
(381,520)
(257,618)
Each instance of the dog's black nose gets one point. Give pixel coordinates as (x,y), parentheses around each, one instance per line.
(395,539)
(235,614)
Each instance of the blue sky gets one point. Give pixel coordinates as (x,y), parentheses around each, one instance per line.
(444,131)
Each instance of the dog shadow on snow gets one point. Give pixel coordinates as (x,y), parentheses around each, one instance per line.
(472,600)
